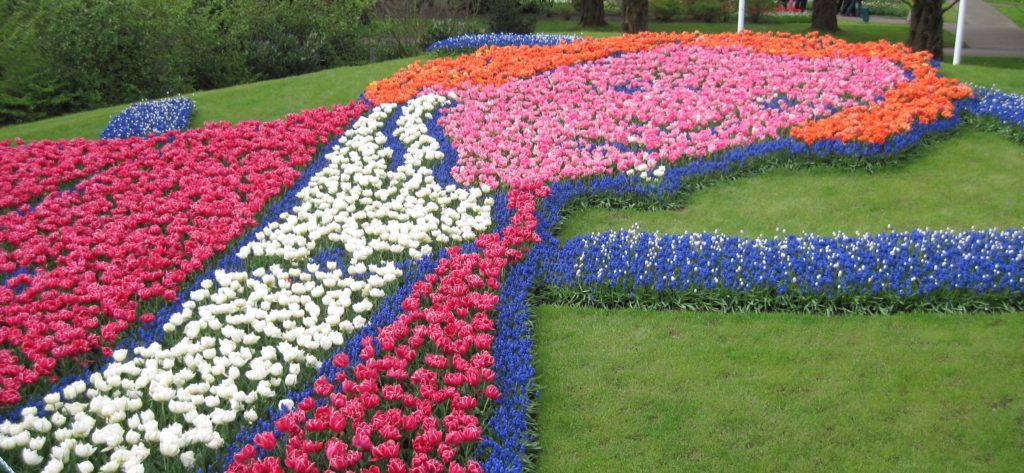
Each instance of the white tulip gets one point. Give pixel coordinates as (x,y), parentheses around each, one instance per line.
(188,459)
(30,457)
(84,450)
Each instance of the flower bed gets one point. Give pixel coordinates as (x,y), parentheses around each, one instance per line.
(1005,108)
(928,265)
(923,99)
(475,41)
(154,116)
(638,111)
(134,233)
(376,319)
(279,318)
(28,172)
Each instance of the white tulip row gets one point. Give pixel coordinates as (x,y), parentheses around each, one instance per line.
(357,203)
(241,339)
(244,337)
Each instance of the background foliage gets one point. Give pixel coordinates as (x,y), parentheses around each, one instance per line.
(60,56)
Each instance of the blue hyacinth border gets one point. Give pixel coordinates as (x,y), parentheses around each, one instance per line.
(150,117)
(475,41)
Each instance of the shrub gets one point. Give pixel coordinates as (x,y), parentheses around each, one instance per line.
(60,56)
(447,27)
(515,16)
(756,9)
(68,55)
(564,10)
(665,10)
(282,38)
(705,10)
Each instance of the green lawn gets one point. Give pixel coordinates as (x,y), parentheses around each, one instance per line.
(674,391)
(850,30)
(973,178)
(1006,74)
(256,101)
(1013,9)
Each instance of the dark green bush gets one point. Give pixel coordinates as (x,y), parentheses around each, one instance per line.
(447,27)
(515,16)
(665,10)
(565,11)
(60,56)
(66,55)
(705,10)
(756,9)
(279,39)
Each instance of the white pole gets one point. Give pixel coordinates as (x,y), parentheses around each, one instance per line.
(743,11)
(958,43)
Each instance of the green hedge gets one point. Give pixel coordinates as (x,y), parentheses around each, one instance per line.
(61,56)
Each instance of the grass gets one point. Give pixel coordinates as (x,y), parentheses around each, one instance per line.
(850,29)
(265,100)
(1013,9)
(969,179)
(1006,74)
(672,391)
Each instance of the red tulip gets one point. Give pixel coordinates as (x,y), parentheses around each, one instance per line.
(322,387)
(265,440)
(396,465)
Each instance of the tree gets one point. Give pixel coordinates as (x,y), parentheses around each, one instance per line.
(592,13)
(634,16)
(823,16)
(926,26)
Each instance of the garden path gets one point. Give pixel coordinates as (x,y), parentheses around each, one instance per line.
(990,33)
(987,32)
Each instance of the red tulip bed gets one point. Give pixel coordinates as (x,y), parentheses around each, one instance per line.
(135,231)
(346,289)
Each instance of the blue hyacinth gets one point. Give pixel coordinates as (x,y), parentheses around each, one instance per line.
(154,116)
(474,41)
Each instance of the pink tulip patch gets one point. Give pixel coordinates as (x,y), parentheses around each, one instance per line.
(639,110)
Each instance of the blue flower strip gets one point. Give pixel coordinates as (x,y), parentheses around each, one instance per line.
(154,116)
(474,41)
(915,263)
(1005,107)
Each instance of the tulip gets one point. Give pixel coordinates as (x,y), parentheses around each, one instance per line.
(265,440)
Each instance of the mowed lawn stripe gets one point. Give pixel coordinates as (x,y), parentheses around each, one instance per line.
(972,178)
(674,391)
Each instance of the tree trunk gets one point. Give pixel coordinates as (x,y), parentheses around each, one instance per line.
(592,13)
(823,16)
(634,16)
(926,27)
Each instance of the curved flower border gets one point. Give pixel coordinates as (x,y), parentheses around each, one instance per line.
(526,217)
(474,41)
(153,116)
